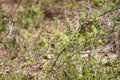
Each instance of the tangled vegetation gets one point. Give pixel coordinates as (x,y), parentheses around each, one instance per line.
(60,40)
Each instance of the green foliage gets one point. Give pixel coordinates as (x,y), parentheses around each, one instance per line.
(43,42)
(62,48)
(2,23)
(106,3)
(34,17)
(71,5)
(17,77)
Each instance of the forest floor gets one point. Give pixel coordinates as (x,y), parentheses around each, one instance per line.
(19,46)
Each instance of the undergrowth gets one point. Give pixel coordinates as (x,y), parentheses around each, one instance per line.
(43,47)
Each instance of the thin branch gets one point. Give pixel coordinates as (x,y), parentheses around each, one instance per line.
(57,59)
(108,12)
(91,22)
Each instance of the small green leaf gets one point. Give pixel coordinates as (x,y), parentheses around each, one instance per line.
(82,38)
(94,29)
(57,35)
(43,42)
(112,5)
(36,8)
(99,41)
